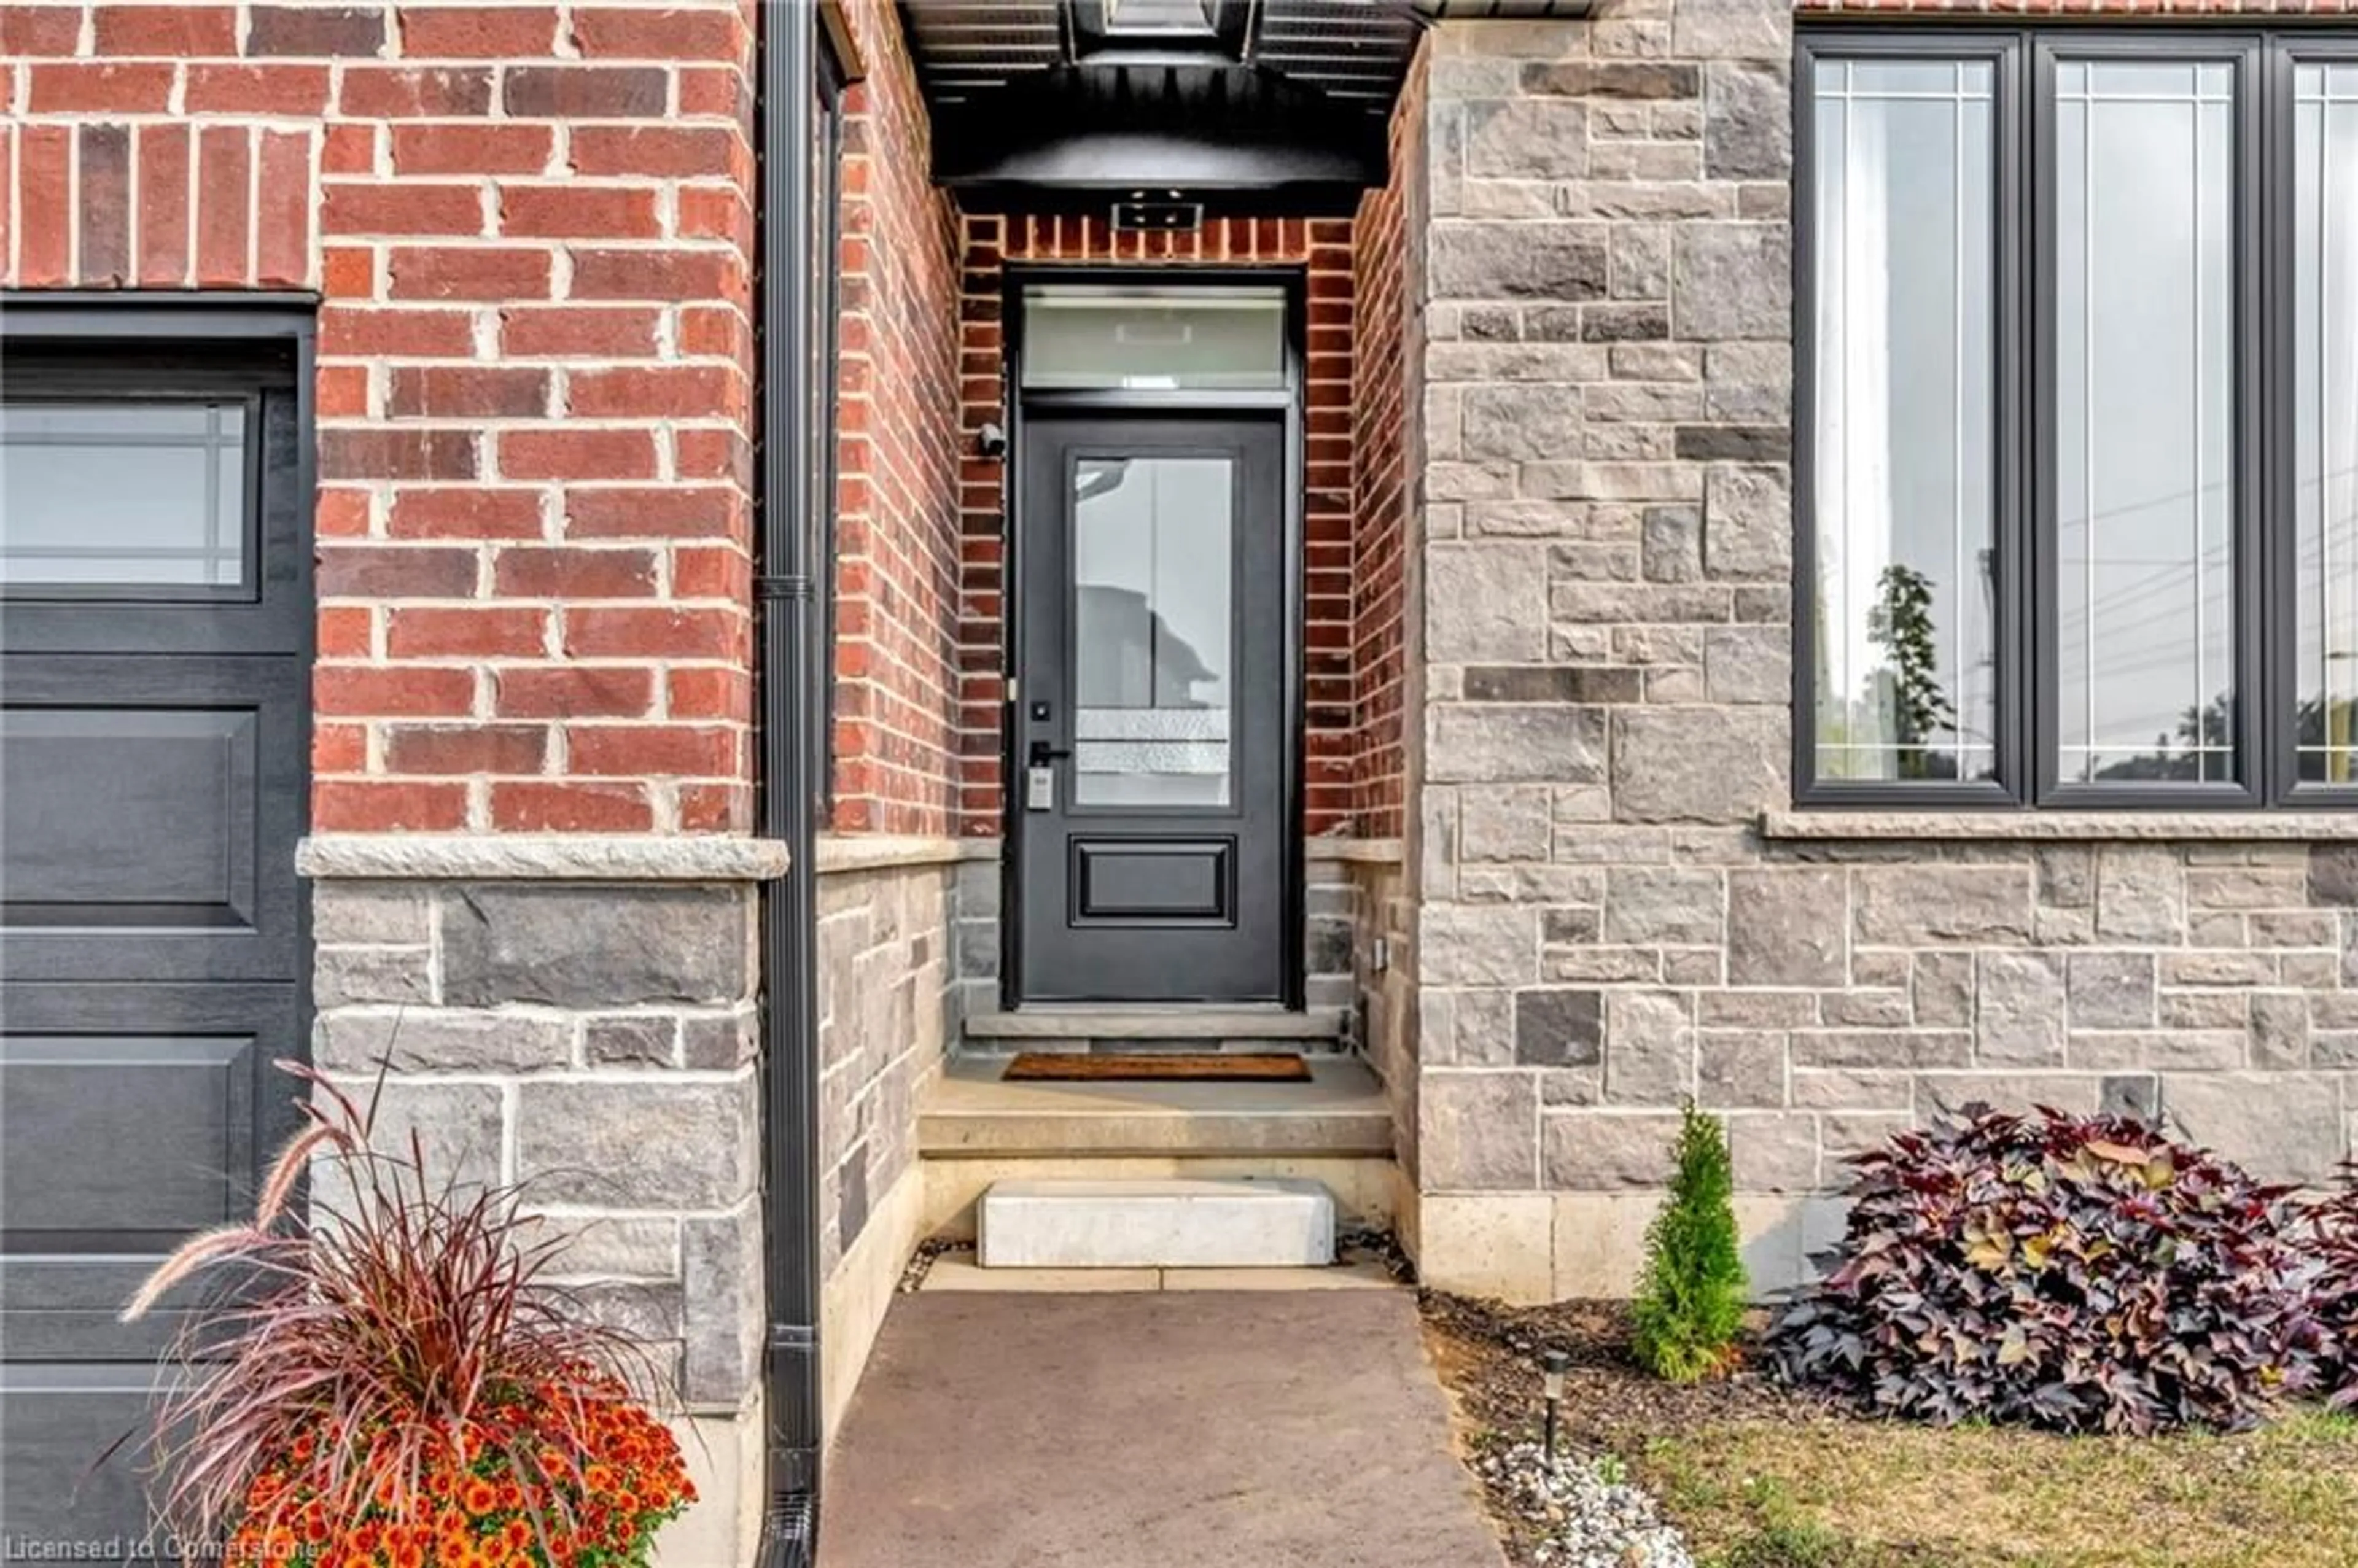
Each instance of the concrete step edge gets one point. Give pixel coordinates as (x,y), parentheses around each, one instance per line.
(1156,1023)
(952,1135)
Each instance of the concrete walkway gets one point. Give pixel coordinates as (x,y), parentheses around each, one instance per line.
(1169,1429)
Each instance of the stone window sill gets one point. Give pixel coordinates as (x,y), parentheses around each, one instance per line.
(2066,827)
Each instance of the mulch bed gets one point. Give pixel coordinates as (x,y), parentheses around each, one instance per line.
(1489,1357)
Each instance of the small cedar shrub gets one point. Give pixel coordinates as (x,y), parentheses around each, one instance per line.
(1690,1304)
(2077,1273)
(2333,1227)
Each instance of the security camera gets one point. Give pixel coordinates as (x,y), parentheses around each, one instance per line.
(990,441)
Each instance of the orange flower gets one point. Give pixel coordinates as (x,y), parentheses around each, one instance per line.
(479,1497)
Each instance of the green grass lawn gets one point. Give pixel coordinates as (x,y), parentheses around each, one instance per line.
(1832,1493)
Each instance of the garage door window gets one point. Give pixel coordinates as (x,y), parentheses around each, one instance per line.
(124,498)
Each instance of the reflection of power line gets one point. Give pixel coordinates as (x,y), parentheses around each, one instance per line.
(2311,555)
(2223,554)
(2162,576)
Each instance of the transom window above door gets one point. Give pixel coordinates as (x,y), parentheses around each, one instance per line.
(1079,337)
(2079,387)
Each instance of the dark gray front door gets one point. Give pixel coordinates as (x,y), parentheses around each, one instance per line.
(155,596)
(1152,704)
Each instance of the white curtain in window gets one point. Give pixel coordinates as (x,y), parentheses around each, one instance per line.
(1853,482)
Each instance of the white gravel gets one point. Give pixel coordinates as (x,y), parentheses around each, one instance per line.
(1594,1516)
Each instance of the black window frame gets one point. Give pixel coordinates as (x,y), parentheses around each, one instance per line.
(2025,537)
(2285,49)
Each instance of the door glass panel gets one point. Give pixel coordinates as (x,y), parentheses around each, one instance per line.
(2146,352)
(2325,418)
(1229,339)
(122,493)
(1152,612)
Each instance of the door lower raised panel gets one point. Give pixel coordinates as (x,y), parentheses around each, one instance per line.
(1188,883)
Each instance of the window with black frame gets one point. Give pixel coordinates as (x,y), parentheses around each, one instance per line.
(2078,345)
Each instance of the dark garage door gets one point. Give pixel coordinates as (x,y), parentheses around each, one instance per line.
(155,609)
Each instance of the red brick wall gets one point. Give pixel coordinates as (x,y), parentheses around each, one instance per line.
(1379,479)
(897,724)
(532,231)
(1321,247)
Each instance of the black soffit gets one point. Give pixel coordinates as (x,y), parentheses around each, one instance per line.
(1267,105)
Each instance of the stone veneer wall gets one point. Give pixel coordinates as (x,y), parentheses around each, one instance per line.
(1609,923)
(1384,933)
(579,1017)
(884,989)
(887,1012)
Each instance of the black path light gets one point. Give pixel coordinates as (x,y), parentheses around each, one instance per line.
(1551,1366)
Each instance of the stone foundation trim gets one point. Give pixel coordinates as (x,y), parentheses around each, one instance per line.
(837,853)
(853,1302)
(1526,1247)
(1353,851)
(2067,826)
(506,856)
(724,1459)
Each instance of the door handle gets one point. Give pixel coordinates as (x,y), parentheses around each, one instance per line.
(1043,753)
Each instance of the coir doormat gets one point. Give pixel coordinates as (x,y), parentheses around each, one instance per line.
(1193,1068)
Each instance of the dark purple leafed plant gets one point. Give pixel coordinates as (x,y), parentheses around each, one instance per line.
(2078,1274)
(2333,1242)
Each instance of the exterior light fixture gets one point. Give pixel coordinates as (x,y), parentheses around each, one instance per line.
(1214,30)
(1551,1367)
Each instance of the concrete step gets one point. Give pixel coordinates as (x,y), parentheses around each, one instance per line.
(971,1113)
(1182,1223)
(1133,1028)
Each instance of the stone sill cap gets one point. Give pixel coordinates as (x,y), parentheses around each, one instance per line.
(572,857)
(2067,826)
(1358,851)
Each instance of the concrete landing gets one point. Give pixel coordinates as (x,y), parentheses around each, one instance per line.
(1151,1431)
(971,1112)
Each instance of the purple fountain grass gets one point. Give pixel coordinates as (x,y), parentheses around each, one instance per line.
(365,1326)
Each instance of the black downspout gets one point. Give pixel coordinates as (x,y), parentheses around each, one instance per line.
(793,704)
